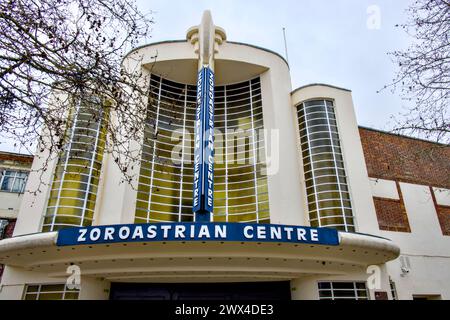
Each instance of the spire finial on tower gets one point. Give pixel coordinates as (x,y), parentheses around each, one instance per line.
(206,37)
(206,32)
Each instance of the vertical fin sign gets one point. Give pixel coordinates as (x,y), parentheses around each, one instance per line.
(203,184)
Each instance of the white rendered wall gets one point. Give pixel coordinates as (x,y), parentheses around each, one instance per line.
(442,196)
(384,189)
(10,204)
(307,288)
(426,248)
(33,206)
(15,279)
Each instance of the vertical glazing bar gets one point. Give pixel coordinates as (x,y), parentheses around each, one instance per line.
(182,154)
(308,145)
(333,147)
(332,290)
(226,153)
(94,152)
(155,137)
(75,118)
(255,177)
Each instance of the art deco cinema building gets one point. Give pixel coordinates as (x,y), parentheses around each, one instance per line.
(294,215)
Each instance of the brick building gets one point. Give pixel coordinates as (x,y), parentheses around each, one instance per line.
(14,170)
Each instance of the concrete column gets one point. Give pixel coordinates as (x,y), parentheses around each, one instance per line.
(304,289)
(94,289)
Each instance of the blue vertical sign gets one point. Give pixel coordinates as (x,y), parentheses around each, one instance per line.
(203,195)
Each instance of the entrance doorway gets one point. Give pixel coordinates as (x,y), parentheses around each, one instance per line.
(201,291)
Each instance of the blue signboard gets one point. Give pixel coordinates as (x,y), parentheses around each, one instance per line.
(238,232)
(203,184)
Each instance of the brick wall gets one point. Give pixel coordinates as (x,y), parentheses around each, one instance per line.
(444,219)
(391,215)
(404,159)
(443,213)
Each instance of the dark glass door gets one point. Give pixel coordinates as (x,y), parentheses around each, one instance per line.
(201,291)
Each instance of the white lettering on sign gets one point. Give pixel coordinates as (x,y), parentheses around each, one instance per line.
(151,232)
(204,232)
(220,232)
(301,234)
(109,232)
(82,236)
(314,235)
(275,233)
(95,234)
(138,233)
(124,233)
(261,232)
(289,232)
(179,231)
(165,230)
(247,233)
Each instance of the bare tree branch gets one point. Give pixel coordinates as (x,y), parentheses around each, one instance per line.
(423,76)
(55,52)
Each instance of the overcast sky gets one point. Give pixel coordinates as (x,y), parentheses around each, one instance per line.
(328,41)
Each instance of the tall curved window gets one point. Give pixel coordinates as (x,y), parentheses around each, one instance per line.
(75,183)
(165,183)
(328,195)
(241,193)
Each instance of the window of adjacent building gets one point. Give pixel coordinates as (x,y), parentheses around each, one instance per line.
(393,290)
(3,224)
(165,185)
(50,292)
(340,290)
(427,297)
(13,181)
(327,191)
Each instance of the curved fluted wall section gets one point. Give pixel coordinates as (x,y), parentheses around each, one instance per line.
(328,195)
(75,183)
(166,177)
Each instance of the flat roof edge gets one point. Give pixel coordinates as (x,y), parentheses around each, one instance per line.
(402,136)
(151,44)
(25,155)
(180,41)
(261,48)
(320,84)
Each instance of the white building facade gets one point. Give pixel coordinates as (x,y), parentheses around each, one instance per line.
(302,164)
